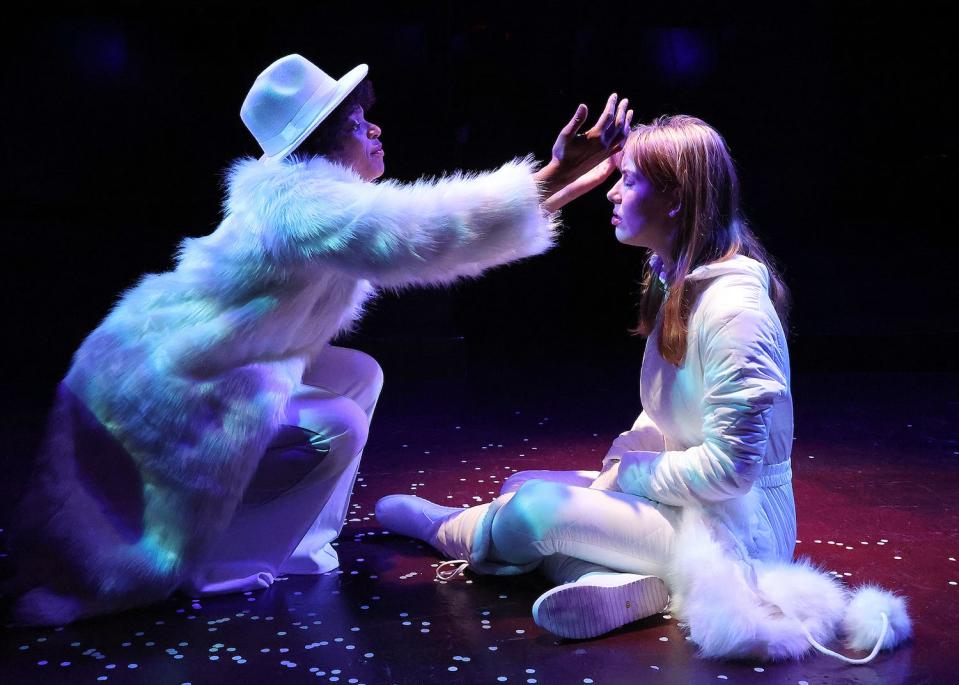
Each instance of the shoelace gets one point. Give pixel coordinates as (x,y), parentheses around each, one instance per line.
(460,566)
(865,659)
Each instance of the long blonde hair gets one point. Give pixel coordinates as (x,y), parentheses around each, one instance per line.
(685,155)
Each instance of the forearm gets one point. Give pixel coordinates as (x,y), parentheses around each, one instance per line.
(701,474)
(560,199)
(552,179)
(395,234)
(470,223)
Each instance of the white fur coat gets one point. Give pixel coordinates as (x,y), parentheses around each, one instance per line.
(169,404)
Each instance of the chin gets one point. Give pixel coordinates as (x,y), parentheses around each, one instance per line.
(375,171)
(627,237)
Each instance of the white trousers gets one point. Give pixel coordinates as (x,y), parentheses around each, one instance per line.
(555,517)
(297,501)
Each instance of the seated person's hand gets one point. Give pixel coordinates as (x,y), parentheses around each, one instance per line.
(606,480)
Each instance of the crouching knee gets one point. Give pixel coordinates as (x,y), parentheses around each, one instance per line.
(366,370)
(347,432)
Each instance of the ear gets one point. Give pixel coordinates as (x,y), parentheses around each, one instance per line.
(676,203)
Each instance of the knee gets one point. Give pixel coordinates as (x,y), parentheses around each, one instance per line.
(337,424)
(373,373)
(516,481)
(520,478)
(530,512)
(366,370)
(349,429)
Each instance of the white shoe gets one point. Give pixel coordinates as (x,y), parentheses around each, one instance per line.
(598,603)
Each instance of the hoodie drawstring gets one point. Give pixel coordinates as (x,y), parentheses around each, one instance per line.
(864,660)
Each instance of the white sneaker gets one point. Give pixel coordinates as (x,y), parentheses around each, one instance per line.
(598,603)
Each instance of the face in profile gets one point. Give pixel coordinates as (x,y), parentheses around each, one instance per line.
(641,212)
(360,147)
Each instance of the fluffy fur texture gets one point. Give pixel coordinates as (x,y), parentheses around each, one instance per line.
(169,404)
(736,607)
(862,623)
(716,592)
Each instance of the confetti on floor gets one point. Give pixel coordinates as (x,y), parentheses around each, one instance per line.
(870,511)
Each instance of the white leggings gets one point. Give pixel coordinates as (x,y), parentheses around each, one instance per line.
(296,503)
(554,516)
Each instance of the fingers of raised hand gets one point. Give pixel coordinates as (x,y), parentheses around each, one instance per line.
(621,112)
(607,116)
(617,128)
(576,122)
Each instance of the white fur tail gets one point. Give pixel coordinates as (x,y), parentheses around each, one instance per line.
(874,617)
(738,608)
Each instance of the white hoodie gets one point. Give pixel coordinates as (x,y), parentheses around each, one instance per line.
(715,438)
(722,421)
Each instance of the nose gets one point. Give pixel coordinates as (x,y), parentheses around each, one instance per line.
(374,131)
(614,195)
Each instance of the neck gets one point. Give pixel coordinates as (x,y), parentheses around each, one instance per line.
(665,251)
(668,263)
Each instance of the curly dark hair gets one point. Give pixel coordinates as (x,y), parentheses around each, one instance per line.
(326,138)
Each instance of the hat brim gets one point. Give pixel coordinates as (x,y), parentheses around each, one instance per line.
(344,87)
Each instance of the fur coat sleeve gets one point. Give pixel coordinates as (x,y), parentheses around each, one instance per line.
(390,233)
(742,382)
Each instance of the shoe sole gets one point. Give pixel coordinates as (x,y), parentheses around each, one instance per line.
(579,610)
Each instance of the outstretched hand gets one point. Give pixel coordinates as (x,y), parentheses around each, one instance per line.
(578,152)
(574,153)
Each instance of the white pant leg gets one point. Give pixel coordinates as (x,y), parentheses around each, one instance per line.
(612,529)
(357,376)
(559,568)
(298,513)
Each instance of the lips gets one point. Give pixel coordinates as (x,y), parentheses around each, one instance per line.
(378,153)
(616,220)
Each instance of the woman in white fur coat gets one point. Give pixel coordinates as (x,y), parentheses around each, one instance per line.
(694,504)
(157,438)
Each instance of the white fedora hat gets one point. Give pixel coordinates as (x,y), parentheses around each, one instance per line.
(290,99)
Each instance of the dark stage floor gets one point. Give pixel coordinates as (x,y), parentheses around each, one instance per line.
(877,476)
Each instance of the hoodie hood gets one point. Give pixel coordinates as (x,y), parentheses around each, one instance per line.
(737,264)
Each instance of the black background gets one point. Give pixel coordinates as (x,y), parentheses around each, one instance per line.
(118,125)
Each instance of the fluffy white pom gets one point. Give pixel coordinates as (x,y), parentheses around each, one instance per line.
(863,620)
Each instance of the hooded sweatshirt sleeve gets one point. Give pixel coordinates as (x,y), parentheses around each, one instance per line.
(395,234)
(643,436)
(744,377)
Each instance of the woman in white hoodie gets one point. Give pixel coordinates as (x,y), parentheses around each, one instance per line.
(698,493)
